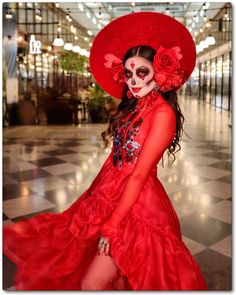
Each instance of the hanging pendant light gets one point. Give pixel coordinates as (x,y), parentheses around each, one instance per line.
(8,14)
(76,49)
(210,40)
(203,44)
(58,41)
(68,46)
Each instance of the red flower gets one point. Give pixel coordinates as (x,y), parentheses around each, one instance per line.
(118,74)
(169,74)
(116,66)
(167,60)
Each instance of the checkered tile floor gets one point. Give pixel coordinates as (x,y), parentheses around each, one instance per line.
(47,167)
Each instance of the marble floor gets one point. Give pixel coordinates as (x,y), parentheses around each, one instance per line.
(46,168)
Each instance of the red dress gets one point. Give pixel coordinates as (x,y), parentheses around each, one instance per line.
(53,251)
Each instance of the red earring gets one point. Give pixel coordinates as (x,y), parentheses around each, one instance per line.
(129,94)
(155,91)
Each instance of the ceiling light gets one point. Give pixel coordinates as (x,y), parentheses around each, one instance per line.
(203,44)
(100,12)
(73,29)
(19,38)
(57,4)
(58,41)
(76,49)
(90,33)
(83,51)
(68,46)
(99,26)
(76,37)
(226,14)
(85,38)
(94,20)
(81,7)
(210,40)
(88,14)
(38,17)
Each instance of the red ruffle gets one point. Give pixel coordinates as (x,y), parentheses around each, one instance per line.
(53,251)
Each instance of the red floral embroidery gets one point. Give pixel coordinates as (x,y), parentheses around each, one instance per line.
(169,73)
(116,66)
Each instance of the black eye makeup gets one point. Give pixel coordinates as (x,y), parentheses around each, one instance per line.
(142,72)
(128,73)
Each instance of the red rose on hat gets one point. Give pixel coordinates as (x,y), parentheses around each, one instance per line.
(169,74)
(167,60)
(170,81)
(116,66)
(118,74)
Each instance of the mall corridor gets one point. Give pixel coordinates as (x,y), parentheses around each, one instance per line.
(46,168)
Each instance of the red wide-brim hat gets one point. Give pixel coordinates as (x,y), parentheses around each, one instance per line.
(141,28)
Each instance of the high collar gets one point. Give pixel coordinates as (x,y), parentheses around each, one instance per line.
(148,100)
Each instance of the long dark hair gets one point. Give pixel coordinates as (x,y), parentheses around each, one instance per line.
(127,105)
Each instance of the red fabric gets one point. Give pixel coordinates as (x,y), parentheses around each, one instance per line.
(140,28)
(56,251)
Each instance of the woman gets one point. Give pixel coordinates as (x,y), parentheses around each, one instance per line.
(122,233)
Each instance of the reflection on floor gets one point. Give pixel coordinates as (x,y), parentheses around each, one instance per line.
(46,168)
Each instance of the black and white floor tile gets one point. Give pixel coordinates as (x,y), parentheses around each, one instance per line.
(46,168)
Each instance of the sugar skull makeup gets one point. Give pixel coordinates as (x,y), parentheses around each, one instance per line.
(139,73)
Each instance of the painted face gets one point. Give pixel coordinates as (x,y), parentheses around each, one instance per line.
(139,74)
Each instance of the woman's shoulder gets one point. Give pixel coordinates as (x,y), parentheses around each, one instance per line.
(163,106)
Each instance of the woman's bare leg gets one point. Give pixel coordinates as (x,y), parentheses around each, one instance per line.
(100,273)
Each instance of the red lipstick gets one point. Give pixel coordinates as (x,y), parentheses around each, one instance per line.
(136,89)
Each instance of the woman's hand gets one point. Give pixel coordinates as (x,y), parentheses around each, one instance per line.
(103,245)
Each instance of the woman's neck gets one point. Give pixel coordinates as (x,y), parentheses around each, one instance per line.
(149,99)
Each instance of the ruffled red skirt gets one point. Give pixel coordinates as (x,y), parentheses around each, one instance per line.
(53,251)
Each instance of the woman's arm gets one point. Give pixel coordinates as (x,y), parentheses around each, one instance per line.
(159,136)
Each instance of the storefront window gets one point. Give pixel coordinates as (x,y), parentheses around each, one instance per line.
(21,17)
(50,27)
(219,81)
(213,81)
(208,81)
(226,77)
(201,82)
